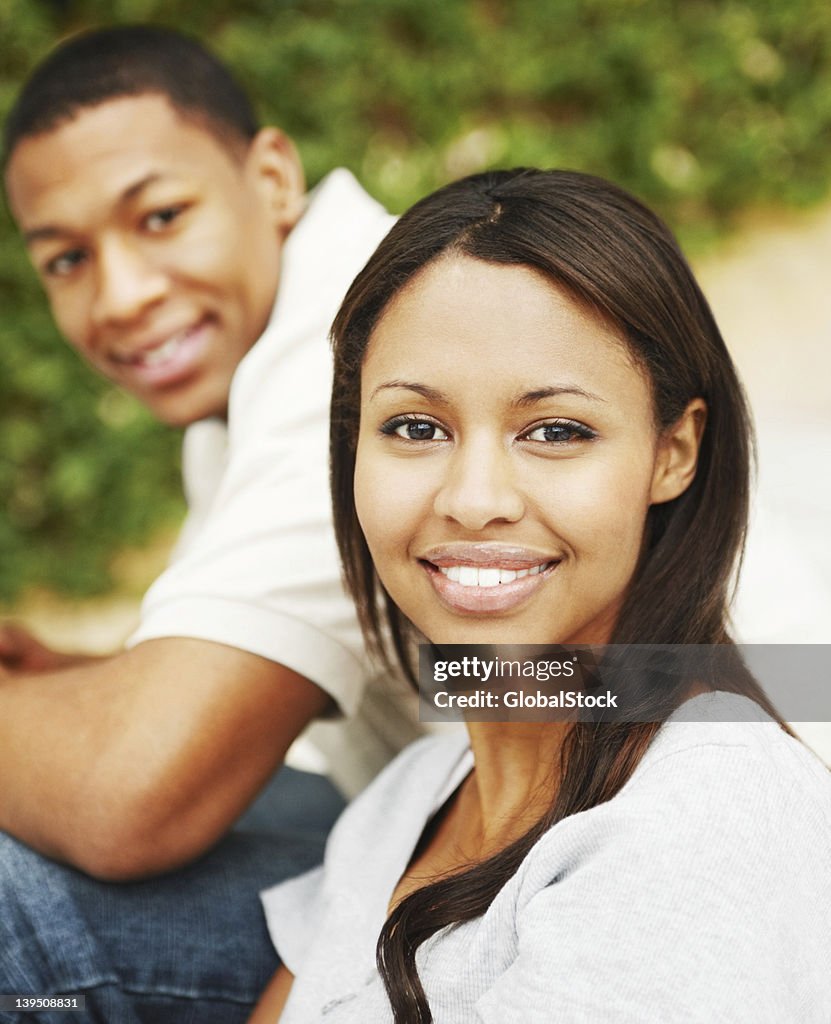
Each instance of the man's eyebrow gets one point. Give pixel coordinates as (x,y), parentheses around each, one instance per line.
(51,231)
(137,187)
(44,234)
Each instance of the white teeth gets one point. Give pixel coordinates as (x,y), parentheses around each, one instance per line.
(164,351)
(470,576)
(488,578)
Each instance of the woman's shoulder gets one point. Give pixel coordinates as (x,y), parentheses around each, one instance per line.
(723,797)
(706,879)
(721,763)
(754,758)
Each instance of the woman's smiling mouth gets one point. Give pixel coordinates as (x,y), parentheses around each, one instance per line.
(471,576)
(487,578)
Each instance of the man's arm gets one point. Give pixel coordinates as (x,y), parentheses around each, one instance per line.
(138,763)
(272,1002)
(20,651)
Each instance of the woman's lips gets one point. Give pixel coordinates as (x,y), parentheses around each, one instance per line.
(484,587)
(486,553)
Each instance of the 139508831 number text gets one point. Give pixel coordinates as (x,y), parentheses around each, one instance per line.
(42,1002)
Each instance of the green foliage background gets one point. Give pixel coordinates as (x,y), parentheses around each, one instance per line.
(702,108)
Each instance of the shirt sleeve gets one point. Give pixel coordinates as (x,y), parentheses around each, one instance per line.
(262,573)
(670,913)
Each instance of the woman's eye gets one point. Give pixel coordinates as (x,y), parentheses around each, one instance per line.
(411,429)
(64,263)
(158,220)
(560,432)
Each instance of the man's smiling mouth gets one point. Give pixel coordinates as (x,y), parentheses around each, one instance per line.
(155,356)
(173,359)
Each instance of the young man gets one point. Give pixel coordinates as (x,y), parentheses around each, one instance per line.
(182,259)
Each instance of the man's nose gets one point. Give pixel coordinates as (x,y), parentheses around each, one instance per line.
(479,486)
(128,283)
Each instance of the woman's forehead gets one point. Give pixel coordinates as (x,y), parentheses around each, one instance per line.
(497,327)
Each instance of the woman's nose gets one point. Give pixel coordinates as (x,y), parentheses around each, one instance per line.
(479,486)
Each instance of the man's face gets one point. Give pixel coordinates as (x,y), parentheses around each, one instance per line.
(158,246)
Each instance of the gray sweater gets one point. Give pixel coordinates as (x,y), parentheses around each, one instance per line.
(701,892)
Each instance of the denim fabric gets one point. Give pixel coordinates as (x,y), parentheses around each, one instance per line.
(190,947)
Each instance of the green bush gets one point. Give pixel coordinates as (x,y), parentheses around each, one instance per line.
(702,108)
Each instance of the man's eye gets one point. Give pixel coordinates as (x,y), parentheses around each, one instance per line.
(64,263)
(158,220)
(413,429)
(560,432)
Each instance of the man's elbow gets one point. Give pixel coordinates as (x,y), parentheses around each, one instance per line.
(129,859)
(135,841)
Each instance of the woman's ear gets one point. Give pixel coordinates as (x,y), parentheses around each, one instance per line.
(677,455)
(276,172)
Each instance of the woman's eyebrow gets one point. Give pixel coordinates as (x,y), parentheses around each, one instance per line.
(526,399)
(432,394)
(538,394)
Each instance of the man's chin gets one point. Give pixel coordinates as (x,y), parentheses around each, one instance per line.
(181,410)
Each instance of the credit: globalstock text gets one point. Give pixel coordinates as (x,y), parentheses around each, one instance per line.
(523,699)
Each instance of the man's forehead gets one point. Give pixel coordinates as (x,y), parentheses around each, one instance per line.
(107,154)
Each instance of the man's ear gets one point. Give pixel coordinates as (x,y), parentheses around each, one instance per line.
(677,456)
(277,173)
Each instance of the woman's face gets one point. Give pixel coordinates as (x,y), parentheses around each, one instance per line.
(507,457)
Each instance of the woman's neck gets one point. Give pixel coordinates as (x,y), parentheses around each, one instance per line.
(516,774)
(512,786)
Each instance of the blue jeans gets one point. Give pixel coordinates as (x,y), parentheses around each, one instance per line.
(190,947)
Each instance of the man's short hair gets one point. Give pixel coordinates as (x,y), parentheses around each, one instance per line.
(130,60)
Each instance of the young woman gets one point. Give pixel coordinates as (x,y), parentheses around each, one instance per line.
(538,437)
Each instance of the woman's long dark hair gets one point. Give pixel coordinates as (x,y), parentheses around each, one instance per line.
(614,256)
